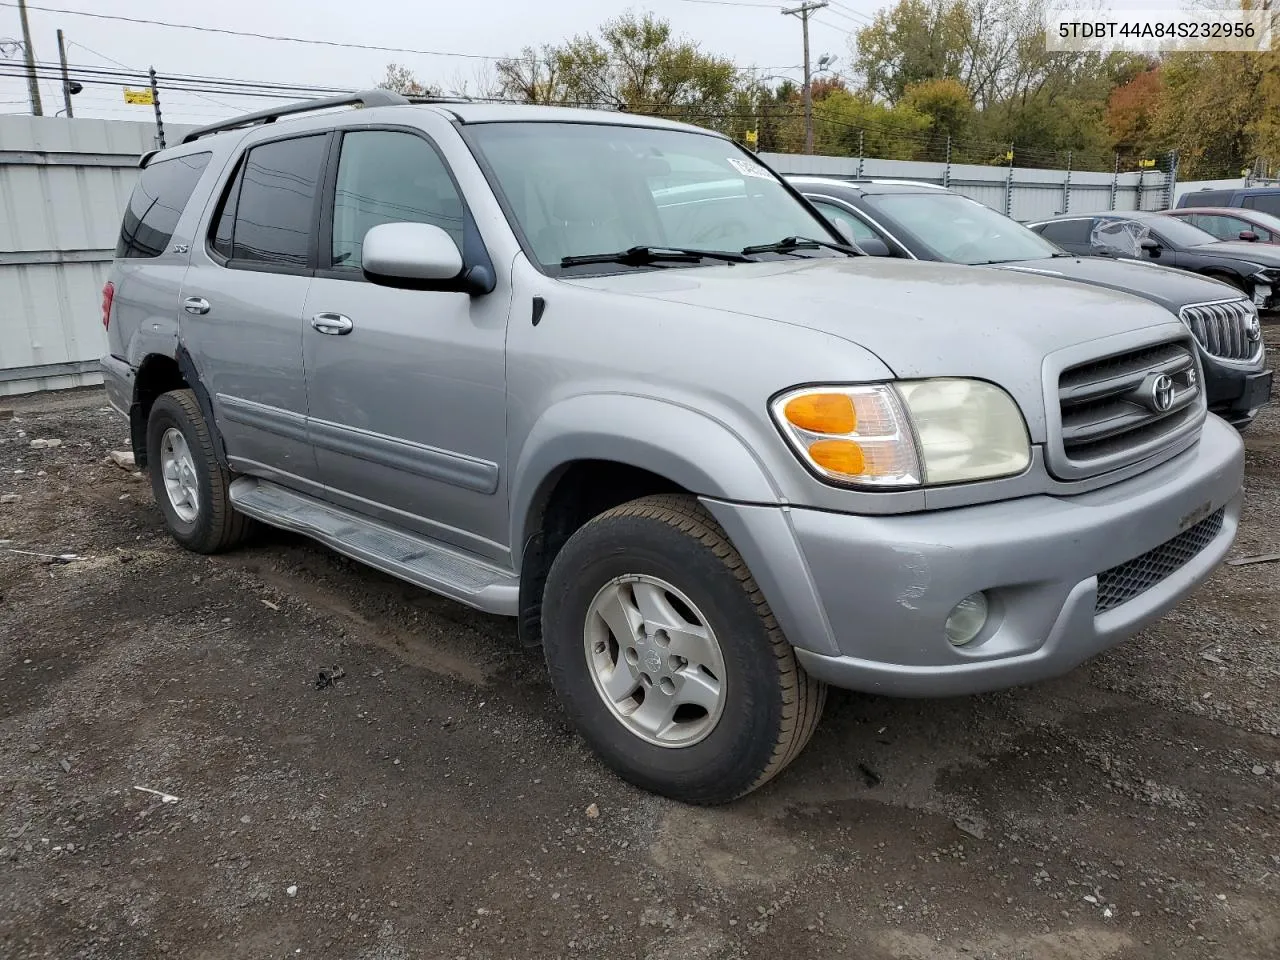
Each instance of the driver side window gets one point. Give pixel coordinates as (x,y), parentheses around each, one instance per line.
(389,177)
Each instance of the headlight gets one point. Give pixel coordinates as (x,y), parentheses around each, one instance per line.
(1269,275)
(905,434)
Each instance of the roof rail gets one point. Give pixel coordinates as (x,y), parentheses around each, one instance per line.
(363,98)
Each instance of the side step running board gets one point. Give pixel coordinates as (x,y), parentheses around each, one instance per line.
(425,563)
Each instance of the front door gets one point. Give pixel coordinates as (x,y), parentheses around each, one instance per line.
(407,388)
(242,306)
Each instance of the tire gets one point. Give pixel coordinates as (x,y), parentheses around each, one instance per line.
(768,707)
(212,525)
(1230,279)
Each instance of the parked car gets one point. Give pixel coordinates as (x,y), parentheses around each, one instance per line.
(709,457)
(1252,268)
(928,222)
(1266,199)
(1228,223)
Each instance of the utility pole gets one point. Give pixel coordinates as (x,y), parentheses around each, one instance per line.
(803,12)
(66,81)
(33,85)
(155,101)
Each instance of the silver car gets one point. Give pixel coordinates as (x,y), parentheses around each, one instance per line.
(610,376)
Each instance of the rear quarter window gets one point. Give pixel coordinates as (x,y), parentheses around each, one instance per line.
(1266,202)
(1067,231)
(161,194)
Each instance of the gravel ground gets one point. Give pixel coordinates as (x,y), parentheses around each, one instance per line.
(175,779)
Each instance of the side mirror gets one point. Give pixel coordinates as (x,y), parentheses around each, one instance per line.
(1150,246)
(410,251)
(1249,235)
(875,247)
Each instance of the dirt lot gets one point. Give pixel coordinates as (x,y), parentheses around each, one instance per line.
(431,802)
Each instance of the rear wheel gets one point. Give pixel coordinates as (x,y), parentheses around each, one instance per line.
(667,657)
(188,482)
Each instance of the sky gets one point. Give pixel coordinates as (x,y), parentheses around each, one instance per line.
(750,32)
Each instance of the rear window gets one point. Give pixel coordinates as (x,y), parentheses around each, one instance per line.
(156,205)
(1266,202)
(1206,198)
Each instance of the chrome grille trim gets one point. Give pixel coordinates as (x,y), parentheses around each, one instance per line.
(1103,414)
(1225,328)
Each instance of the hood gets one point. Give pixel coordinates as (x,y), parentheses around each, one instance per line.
(1264,254)
(1167,286)
(922,319)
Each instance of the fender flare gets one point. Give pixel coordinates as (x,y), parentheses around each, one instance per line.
(686,446)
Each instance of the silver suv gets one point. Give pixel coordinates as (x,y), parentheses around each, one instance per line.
(611,376)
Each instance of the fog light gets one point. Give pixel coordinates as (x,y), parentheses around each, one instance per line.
(967,619)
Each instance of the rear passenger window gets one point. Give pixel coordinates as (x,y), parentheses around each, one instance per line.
(389,177)
(267,212)
(1266,202)
(1067,231)
(156,205)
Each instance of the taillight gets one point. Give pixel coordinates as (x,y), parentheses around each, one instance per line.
(108,294)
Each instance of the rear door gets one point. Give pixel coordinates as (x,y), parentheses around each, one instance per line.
(1070,235)
(242,304)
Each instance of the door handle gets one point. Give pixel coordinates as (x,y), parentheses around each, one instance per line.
(334,324)
(197,305)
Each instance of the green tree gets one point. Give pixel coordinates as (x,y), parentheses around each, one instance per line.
(1212,111)
(946,105)
(912,42)
(633,63)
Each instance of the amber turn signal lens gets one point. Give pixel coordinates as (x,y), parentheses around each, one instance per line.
(838,456)
(830,413)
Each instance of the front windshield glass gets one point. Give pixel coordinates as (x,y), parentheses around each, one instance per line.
(578,189)
(1179,233)
(961,230)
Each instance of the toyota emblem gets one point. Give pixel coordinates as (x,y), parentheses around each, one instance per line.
(1160,393)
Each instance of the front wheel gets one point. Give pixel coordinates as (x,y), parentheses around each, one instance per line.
(667,657)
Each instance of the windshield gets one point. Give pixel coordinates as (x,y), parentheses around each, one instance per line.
(961,230)
(577,189)
(1179,233)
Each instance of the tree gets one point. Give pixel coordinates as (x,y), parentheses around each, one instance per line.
(1131,112)
(635,64)
(949,111)
(402,80)
(1212,110)
(911,42)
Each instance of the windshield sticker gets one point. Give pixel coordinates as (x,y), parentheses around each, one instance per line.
(749,169)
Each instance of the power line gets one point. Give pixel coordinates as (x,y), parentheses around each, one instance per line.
(344,45)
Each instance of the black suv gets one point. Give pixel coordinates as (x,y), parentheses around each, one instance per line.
(1140,235)
(922,221)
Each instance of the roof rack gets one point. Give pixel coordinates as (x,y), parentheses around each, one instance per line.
(363,98)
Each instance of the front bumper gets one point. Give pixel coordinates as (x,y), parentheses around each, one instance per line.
(864,599)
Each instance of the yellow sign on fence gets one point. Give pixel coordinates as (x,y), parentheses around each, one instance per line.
(142,97)
(1146,163)
(753,139)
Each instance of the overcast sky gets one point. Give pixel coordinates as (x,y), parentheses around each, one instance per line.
(751,32)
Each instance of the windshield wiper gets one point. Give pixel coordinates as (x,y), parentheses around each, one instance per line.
(645,253)
(788,244)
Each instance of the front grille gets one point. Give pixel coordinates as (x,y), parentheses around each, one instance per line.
(1228,329)
(1122,583)
(1127,406)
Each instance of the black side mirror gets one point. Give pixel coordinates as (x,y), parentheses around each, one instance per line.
(1249,235)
